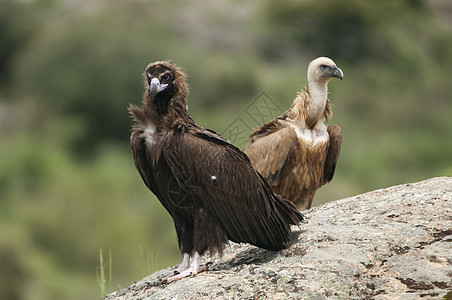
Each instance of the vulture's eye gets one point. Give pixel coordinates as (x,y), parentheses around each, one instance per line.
(323,67)
(165,77)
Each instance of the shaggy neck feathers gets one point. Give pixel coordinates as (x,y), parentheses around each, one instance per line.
(164,116)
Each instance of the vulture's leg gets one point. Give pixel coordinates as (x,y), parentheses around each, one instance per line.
(334,149)
(184,231)
(185,264)
(193,269)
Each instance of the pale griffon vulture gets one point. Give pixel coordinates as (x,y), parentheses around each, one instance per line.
(296,152)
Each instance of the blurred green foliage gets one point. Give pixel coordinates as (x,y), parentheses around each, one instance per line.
(68,70)
(353,30)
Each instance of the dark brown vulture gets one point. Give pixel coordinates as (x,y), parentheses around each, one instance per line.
(207,185)
(296,152)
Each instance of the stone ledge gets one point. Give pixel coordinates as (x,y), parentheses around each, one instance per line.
(392,243)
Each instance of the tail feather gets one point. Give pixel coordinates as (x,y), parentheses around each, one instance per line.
(284,215)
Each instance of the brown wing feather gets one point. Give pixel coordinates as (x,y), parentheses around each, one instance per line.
(222,178)
(140,158)
(271,152)
(266,129)
(334,149)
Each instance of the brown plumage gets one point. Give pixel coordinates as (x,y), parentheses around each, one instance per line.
(296,152)
(208,186)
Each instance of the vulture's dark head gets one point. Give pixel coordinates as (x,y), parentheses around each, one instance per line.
(323,69)
(165,82)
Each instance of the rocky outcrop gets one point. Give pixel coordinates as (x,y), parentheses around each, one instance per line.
(393,243)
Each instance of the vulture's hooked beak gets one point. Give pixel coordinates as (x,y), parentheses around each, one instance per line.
(337,72)
(155,86)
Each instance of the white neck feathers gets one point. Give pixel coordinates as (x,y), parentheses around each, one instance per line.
(319,95)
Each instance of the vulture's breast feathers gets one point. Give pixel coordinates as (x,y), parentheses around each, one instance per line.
(312,137)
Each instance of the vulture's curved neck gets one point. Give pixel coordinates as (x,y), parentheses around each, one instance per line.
(318,92)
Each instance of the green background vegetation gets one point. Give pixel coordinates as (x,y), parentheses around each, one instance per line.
(68,70)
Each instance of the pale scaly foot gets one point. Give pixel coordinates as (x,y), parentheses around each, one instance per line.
(193,269)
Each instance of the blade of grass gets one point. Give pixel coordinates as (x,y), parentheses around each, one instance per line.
(100,273)
(110,270)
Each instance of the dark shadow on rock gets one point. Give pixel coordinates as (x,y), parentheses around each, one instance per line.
(250,256)
(294,236)
(254,255)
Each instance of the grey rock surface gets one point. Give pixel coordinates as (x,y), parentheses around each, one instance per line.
(393,243)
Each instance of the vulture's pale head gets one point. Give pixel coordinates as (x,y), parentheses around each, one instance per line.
(322,70)
(164,81)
